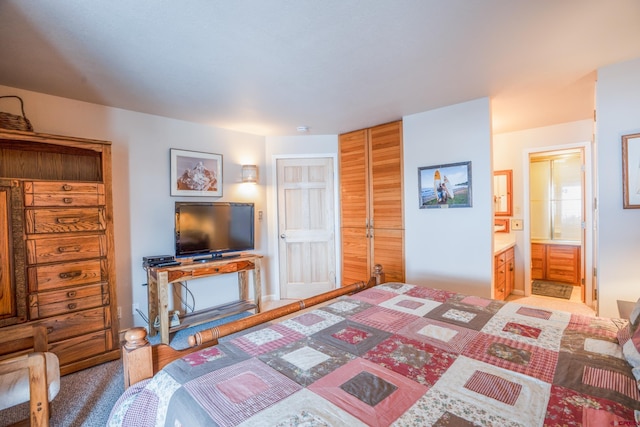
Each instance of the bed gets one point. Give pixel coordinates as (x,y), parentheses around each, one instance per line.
(386,354)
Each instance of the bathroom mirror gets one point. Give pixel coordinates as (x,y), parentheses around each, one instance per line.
(502,199)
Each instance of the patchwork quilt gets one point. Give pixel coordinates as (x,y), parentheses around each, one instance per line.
(400,355)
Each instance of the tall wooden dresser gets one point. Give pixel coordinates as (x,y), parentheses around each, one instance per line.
(56,234)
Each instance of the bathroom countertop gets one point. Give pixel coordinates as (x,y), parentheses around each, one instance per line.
(502,241)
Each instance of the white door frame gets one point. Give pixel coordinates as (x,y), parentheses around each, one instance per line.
(587,253)
(273,223)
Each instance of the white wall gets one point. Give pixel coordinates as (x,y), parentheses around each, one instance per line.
(508,153)
(143,208)
(450,248)
(287,147)
(618,113)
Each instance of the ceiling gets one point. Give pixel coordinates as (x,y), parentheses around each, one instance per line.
(267,67)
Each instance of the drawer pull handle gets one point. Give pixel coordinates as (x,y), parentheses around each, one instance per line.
(69,249)
(71,294)
(70,274)
(67,200)
(67,187)
(72,305)
(67,220)
(49,329)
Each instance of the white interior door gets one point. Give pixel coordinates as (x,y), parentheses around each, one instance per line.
(306,226)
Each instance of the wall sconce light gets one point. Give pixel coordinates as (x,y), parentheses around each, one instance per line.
(250,173)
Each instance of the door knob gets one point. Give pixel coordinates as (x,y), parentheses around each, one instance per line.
(282,236)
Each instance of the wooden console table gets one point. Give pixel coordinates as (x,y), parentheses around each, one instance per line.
(159,279)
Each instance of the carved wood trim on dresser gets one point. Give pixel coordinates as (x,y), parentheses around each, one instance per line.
(57,267)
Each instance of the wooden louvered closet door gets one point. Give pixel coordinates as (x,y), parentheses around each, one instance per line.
(372,202)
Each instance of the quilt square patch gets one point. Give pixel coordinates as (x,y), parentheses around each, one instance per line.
(437,408)
(528,408)
(233,394)
(357,376)
(524,314)
(597,377)
(410,305)
(477,301)
(312,322)
(306,360)
(374,296)
(384,318)
(203,361)
(527,330)
(467,317)
(534,312)
(369,388)
(266,339)
(595,326)
(303,408)
(417,360)
(346,306)
(438,295)
(570,405)
(495,387)
(513,355)
(352,337)
(396,287)
(522,330)
(448,337)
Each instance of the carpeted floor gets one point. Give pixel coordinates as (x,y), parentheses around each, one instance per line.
(551,289)
(86,397)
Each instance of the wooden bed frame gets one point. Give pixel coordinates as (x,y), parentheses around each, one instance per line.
(141,360)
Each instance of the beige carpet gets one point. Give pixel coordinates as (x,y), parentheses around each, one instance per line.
(573,305)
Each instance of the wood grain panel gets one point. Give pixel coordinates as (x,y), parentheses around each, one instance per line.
(48,277)
(538,264)
(353,179)
(7,301)
(386,176)
(563,264)
(64,220)
(355,255)
(65,248)
(388,251)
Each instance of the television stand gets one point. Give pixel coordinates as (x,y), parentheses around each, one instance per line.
(159,279)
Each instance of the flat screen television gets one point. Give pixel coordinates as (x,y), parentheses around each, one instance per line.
(210,229)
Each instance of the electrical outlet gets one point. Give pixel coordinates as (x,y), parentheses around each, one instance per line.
(516,224)
(135,307)
(119,312)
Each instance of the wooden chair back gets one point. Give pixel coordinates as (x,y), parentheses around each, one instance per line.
(24,347)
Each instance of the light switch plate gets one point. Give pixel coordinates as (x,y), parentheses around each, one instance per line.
(516,224)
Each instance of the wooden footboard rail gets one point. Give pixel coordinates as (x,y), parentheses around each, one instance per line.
(141,360)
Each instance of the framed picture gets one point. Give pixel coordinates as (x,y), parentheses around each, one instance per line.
(195,174)
(631,171)
(445,186)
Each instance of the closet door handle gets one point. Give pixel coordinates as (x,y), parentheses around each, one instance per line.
(69,274)
(67,220)
(63,249)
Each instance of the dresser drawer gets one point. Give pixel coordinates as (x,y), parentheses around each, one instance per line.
(64,220)
(77,323)
(67,248)
(79,348)
(63,193)
(47,304)
(56,276)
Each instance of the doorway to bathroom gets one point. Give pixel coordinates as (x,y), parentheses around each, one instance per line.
(558,238)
